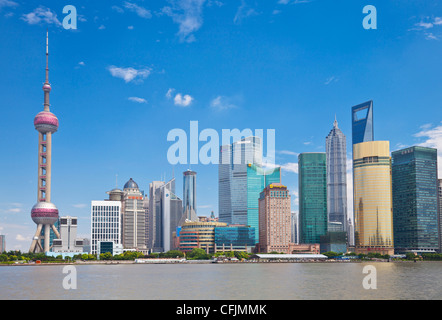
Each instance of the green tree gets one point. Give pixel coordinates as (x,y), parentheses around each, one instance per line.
(198,254)
(106,256)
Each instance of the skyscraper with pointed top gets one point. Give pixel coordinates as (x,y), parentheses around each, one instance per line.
(336,158)
(44,213)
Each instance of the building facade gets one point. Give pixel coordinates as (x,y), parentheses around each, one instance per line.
(362,123)
(415,200)
(372,190)
(275,232)
(133,217)
(440,214)
(68,242)
(312,177)
(234,238)
(336,158)
(189,195)
(165,213)
(2,243)
(105,223)
(198,235)
(232,178)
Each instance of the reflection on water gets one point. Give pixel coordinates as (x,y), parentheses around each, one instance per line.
(284,281)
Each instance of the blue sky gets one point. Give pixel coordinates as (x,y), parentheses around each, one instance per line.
(275,64)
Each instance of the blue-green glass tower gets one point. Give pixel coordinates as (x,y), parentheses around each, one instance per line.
(257,179)
(415,199)
(312,176)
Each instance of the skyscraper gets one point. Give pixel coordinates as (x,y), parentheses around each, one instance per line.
(165,214)
(232,175)
(336,157)
(44,213)
(312,197)
(440,214)
(372,197)
(415,199)
(189,195)
(257,179)
(275,219)
(134,220)
(362,122)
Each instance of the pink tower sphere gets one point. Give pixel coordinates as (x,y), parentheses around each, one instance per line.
(45,122)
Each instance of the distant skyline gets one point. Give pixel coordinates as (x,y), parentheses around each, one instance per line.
(134,70)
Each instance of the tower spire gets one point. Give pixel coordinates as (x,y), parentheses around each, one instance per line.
(335,123)
(46,85)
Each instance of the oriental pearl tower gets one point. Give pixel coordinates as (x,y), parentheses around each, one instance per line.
(44,213)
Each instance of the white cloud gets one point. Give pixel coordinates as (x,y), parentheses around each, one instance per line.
(290,153)
(183,100)
(188,15)
(7,3)
(179,99)
(140,11)
(130,27)
(102,27)
(244,11)
(19,237)
(290,167)
(430,36)
(222,103)
(330,80)
(293,1)
(80,205)
(169,93)
(41,14)
(129,74)
(432,139)
(137,99)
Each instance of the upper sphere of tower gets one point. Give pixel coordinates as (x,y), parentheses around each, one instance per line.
(45,122)
(47,87)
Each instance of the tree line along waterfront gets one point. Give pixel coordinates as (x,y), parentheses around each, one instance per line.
(16,257)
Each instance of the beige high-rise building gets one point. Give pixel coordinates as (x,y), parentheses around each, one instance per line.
(275,219)
(372,196)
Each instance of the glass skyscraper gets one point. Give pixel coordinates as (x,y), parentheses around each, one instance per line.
(312,197)
(189,195)
(415,199)
(336,157)
(232,175)
(241,180)
(372,197)
(257,180)
(362,122)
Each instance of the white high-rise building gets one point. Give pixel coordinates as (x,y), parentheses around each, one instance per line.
(105,223)
(68,242)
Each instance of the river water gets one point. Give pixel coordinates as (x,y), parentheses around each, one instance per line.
(253,281)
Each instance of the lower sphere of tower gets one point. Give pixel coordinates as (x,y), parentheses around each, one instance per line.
(45,122)
(44,213)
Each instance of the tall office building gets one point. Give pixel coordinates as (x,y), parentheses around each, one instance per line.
(2,243)
(295,232)
(415,200)
(440,214)
(274,219)
(336,158)
(241,180)
(165,214)
(257,179)
(44,213)
(189,195)
(106,222)
(134,219)
(362,122)
(312,178)
(372,199)
(232,175)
